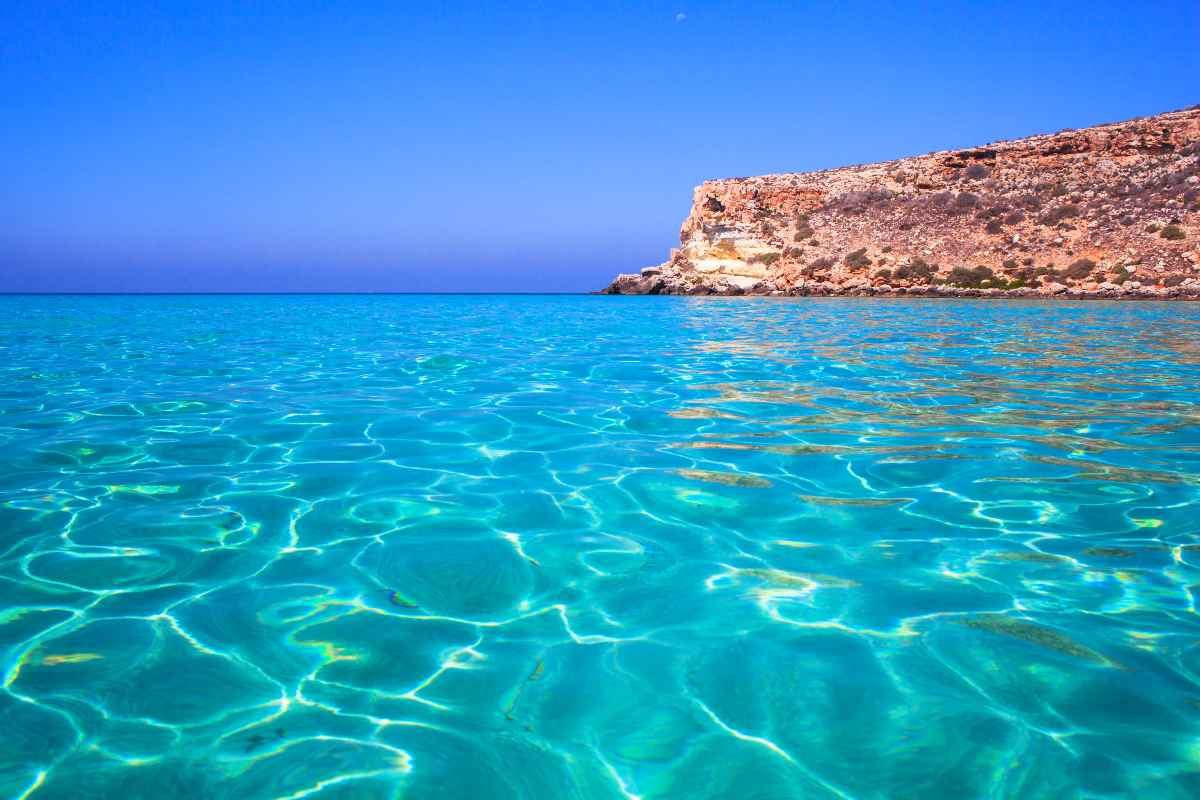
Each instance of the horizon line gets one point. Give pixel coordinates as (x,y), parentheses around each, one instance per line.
(234,294)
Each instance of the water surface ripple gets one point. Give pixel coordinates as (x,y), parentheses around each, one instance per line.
(593,547)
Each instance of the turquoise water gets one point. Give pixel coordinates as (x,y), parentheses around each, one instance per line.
(597,547)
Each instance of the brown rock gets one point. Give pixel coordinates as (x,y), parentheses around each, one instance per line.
(1007,219)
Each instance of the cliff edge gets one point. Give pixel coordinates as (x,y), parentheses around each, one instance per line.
(1107,211)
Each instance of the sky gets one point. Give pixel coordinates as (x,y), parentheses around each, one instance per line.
(499,146)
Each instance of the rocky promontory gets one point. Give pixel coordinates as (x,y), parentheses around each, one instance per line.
(1107,211)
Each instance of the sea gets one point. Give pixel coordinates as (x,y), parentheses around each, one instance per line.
(471,546)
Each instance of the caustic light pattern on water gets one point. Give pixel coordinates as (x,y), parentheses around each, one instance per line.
(505,547)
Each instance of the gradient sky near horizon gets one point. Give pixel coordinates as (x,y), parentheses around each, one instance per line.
(516,146)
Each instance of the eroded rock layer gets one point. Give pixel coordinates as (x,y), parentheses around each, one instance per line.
(1107,211)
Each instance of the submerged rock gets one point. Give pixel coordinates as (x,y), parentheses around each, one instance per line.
(726,478)
(1035,634)
(1109,552)
(1035,556)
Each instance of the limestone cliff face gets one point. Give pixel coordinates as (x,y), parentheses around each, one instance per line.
(1112,210)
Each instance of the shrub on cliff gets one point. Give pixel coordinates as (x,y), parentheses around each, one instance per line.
(858,202)
(1028,201)
(966,200)
(938,200)
(971,277)
(995,226)
(977,171)
(1173,232)
(1080,269)
(804,231)
(763,258)
(1057,215)
(858,259)
(916,271)
(820,266)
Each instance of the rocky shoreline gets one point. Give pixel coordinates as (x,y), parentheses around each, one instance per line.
(650,285)
(1108,212)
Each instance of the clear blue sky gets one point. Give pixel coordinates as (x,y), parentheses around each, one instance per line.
(218,146)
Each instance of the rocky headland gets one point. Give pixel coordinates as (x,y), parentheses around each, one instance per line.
(1107,211)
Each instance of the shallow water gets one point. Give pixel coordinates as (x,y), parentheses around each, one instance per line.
(596,547)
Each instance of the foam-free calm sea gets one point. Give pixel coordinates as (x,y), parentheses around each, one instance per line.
(596,547)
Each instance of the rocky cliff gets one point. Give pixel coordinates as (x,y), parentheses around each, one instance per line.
(1108,211)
